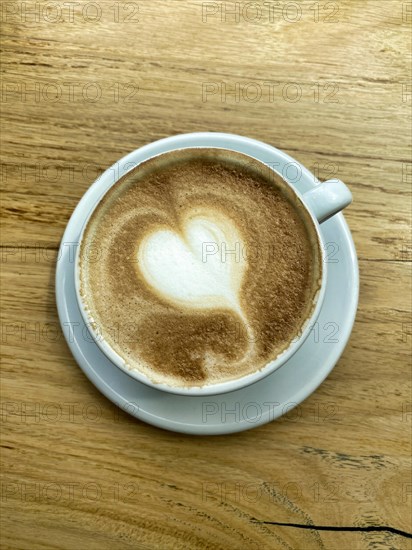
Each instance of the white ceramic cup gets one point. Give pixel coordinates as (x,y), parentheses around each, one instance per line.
(321,201)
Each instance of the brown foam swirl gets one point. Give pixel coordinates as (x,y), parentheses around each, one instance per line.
(197,267)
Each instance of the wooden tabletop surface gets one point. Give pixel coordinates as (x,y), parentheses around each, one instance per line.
(85,83)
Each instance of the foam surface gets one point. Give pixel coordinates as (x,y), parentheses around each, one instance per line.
(203,269)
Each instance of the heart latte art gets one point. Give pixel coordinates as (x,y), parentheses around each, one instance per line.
(198,269)
(182,269)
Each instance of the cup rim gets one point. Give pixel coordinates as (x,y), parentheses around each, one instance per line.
(220,387)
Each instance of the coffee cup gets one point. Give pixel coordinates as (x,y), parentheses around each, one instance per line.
(315,205)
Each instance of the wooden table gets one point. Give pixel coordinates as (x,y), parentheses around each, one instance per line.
(83,85)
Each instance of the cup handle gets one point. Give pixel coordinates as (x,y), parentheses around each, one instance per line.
(327,199)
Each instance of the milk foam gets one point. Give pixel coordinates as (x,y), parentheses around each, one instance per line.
(189,268)
(188,308)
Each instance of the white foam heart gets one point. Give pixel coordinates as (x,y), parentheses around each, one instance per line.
(199,267)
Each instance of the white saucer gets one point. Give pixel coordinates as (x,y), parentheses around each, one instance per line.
(243,409)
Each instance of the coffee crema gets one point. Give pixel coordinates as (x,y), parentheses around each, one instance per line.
(199,266)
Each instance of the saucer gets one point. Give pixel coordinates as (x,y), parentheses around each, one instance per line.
(248,407)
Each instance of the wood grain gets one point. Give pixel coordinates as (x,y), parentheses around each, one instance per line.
(76,471)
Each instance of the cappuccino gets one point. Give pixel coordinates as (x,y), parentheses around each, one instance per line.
(199,266)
